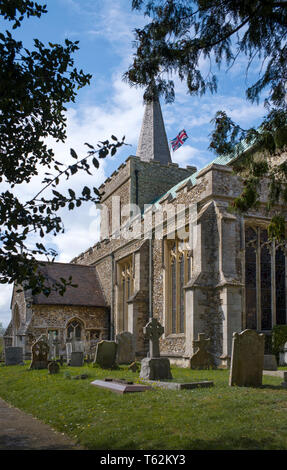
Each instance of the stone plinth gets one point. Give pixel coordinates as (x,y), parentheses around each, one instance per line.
(182,386)
(155,368)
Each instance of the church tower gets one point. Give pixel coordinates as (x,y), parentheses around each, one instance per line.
(142,178)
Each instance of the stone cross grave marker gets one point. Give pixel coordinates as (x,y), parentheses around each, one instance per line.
(154,367)
(202,358)
(153,331)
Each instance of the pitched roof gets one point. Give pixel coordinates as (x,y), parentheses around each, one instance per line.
(88,293)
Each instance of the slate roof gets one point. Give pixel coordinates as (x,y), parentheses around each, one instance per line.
(88,293)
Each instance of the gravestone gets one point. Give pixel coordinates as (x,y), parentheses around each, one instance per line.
(13,356)
(77,359)
(53,367)
(247,359)
(68,351)
(202,358)
(154,367)
(40,351)
(270,362)
(106,353)
(52,348)
(126,348)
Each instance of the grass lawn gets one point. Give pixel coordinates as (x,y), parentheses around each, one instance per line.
(221,417)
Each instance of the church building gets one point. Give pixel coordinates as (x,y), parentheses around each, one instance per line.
(170,248)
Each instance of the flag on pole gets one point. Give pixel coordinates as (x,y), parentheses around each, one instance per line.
(179,140)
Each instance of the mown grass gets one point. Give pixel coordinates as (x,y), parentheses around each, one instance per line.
(221,417)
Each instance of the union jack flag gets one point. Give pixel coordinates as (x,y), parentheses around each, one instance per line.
(179,140)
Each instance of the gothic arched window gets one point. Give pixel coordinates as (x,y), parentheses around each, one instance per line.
(74,329)
(178,273)
(265,280)
(125,290)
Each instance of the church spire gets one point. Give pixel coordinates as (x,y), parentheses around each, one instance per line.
(153,144)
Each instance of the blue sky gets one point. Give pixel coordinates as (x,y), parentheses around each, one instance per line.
(109,106)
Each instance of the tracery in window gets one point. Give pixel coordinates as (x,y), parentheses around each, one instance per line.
(178,273)
(265,280)
(74,329)
(126,290)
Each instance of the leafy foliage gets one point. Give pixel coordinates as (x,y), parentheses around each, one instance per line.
(180,33)
(35,87)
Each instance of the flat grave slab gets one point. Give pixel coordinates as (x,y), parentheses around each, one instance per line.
(121,386)
(181,385)
(278,373)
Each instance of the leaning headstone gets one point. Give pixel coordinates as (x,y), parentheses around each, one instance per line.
(247,359)
(53,367)
(106,353)
(40,352)
(202,358)
(13,356)
(126,348)
(154,367)
(77,359)
(270,362)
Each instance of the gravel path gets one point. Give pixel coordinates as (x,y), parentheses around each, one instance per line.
(21,431)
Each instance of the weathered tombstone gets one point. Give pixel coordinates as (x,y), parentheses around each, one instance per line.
(106,353)
(154,367)
(270,362)
(247,359)
(40,351)
(13,356)
(68,351)
(126,348)
(202,358)
(77,359)
(53,367)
